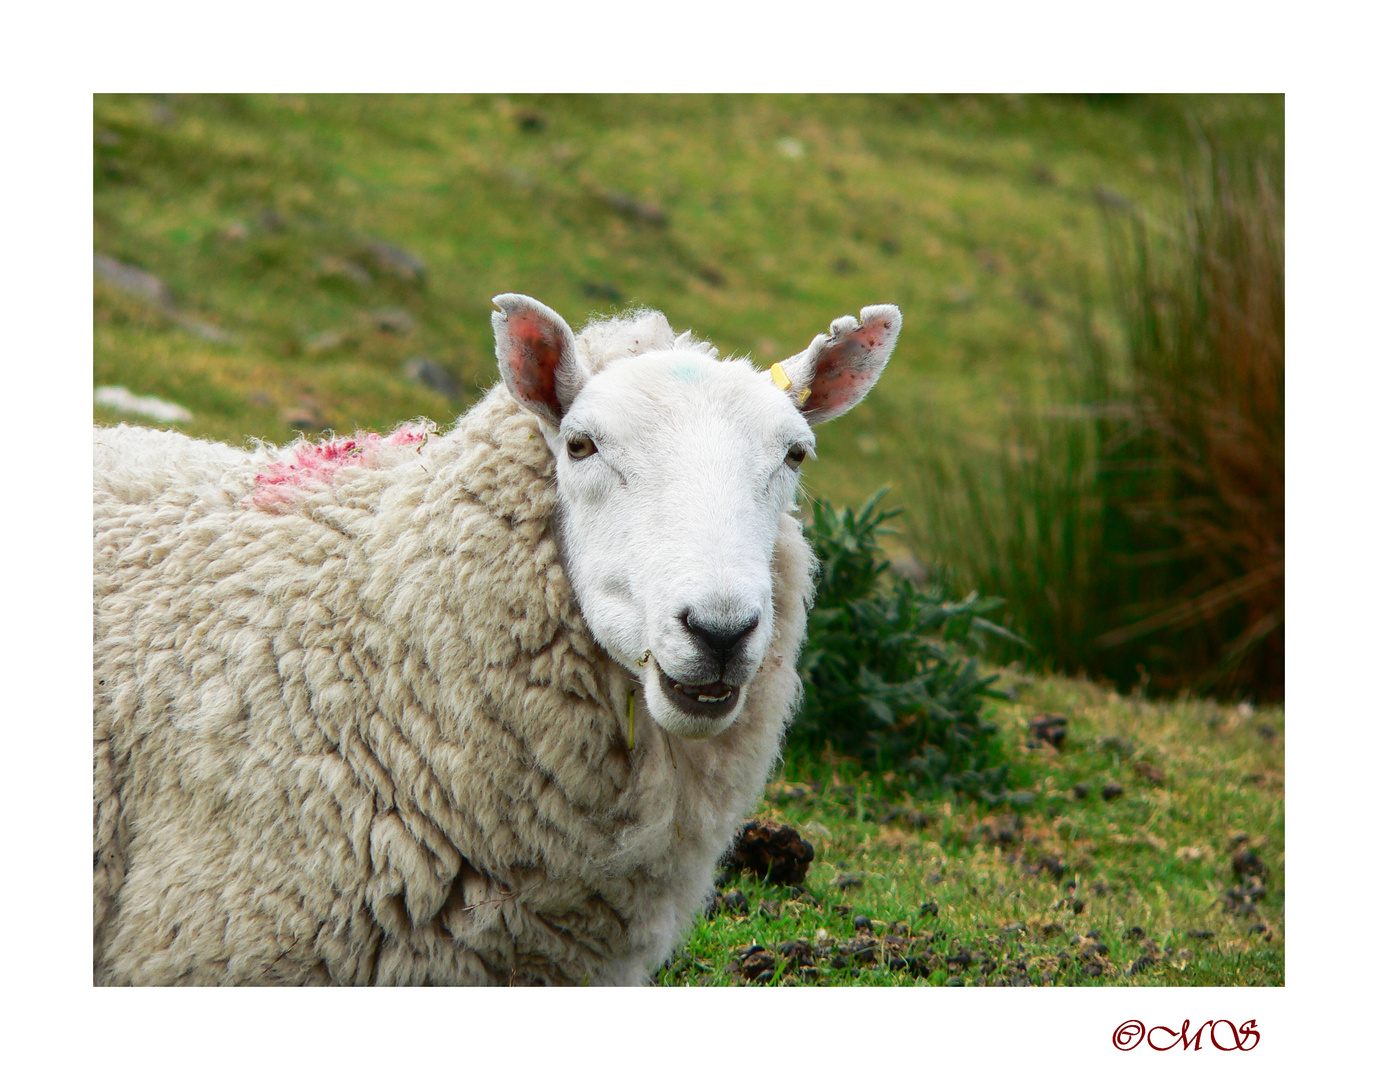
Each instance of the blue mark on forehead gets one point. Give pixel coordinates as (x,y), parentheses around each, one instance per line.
(687,371)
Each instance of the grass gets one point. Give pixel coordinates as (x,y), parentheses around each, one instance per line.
(753,220)
(1135,524)
(1146,873)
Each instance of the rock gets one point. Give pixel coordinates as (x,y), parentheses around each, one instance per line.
(1002,831)
(1050,728)
(1111,790)
(202,329)
(861,922)
(597,290)
(1119,744)
(847,881)
(909,568)
(796,954)
(394,321)
(755,963)
(928,908)
(397,262)
(327,340)
(304,415)
(1247,864)
(629,207)
(1110,198)
(135,282)
(1052,864)
(1081,791)
(735,902)
(772,851)
(334,266)
(132,280)
(862,950)
(120,399)
(424,370)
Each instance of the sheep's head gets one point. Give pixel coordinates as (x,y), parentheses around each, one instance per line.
(673,468)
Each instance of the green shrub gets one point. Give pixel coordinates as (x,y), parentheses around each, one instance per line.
(888,667)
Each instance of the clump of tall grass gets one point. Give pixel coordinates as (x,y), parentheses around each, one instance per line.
(1135,523)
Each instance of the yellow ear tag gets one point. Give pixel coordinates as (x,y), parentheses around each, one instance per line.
(781,379)
(803,397)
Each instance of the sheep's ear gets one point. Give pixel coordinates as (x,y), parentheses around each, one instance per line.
(536,356)
(839,367)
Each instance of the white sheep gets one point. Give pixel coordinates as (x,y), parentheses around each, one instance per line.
(484,707)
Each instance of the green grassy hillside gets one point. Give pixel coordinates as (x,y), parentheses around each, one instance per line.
(335,238)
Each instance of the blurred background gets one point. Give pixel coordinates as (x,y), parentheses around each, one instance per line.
(1084,414)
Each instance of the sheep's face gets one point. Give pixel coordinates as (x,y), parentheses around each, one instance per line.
(673,470)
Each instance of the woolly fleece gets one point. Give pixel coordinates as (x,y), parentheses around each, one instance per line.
(358,733)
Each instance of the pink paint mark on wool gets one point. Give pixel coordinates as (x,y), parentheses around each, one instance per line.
(313,464)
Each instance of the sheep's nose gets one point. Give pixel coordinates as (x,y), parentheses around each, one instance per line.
(721,641)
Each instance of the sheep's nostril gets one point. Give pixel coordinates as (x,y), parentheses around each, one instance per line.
(720,640)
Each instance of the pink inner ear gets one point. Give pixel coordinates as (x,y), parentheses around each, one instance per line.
(839,377)
(534,358)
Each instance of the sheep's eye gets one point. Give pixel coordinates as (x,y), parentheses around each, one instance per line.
(580,446)
(796,456)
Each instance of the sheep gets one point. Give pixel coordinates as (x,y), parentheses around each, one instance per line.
(476,708)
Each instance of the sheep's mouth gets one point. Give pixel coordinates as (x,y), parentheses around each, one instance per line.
(715,699)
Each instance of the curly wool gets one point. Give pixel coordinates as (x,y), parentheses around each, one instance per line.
(361,734)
